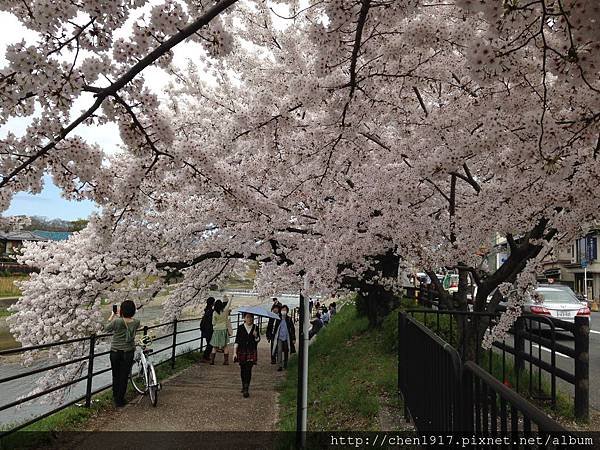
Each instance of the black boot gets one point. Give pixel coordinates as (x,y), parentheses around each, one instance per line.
(212,359)
(245,392)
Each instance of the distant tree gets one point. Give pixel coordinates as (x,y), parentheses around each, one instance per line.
(44,223)
(79,224)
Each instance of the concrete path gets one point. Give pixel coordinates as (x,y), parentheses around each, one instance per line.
(201,398)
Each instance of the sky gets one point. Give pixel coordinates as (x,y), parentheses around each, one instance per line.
(49,202)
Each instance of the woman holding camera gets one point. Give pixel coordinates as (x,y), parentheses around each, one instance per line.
(221,332)
(123,326)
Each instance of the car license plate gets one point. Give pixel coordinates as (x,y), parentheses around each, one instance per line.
(564,314)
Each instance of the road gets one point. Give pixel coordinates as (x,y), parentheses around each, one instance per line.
(567,363)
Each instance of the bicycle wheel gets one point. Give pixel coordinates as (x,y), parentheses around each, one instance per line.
(138,378)
(152,385)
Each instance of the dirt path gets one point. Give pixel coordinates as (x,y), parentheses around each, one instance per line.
(201,398)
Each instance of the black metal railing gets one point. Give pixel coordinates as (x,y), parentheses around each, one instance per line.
(428,376)
(442,395)
(529,354)
(88,359)
(492,409)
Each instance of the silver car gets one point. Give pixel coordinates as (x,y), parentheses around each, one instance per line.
(558,301)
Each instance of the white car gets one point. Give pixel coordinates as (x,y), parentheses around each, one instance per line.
(558,302)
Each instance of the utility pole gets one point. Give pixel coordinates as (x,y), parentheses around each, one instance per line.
(302,396)
(585,291)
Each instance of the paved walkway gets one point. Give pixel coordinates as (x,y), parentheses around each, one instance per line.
(200,398)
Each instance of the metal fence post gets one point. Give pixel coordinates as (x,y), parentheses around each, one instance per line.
(582,367)
(466,402)
(174,344)
(402,363)
(519,346)
(202,339)
(90,375)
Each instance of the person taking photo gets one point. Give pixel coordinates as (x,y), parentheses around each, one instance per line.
(221,332)
(122,348)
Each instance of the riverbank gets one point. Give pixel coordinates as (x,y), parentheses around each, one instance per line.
(353,380)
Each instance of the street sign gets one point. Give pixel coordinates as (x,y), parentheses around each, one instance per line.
(584,262)
(591,248)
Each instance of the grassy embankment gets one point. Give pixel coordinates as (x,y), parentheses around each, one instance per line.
(7,285)
(75,418)
(352,378)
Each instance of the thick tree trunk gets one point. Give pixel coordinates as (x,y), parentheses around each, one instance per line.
(377,301)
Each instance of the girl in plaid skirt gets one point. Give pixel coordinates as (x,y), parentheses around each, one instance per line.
(245,350)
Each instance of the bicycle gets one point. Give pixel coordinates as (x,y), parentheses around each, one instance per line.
(143,376)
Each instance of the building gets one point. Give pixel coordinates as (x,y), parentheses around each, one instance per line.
(12,241)
(575,263)
(570,265)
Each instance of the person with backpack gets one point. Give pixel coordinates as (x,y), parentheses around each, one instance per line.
(245,350)
(284,336)
(206,328)
(122,348)
(221,332)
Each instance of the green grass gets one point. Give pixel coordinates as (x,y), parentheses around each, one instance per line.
(74,418)
(351,375)
(5,313)
(7,285)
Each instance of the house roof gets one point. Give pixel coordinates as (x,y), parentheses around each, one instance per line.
(53,235)
(37,235)
(21,236)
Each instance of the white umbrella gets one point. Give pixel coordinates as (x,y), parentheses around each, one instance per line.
(258,311)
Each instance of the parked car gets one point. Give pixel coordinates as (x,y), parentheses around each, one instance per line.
(451,283)
(558,302)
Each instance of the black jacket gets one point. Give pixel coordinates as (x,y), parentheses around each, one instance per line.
(291,331)
(206,323)
(271,329)
(245,341)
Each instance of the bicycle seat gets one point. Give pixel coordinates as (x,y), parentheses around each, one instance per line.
(148,351)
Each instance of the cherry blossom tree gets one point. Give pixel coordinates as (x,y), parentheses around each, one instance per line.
(334,138)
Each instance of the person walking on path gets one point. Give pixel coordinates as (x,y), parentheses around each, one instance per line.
(245,350)
(316,325)
(122,348)
(206,327)
(271,332)
(325,315)
(285,336)
(221,332)
(277,302)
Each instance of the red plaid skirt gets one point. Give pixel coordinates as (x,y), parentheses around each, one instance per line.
(247,356)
